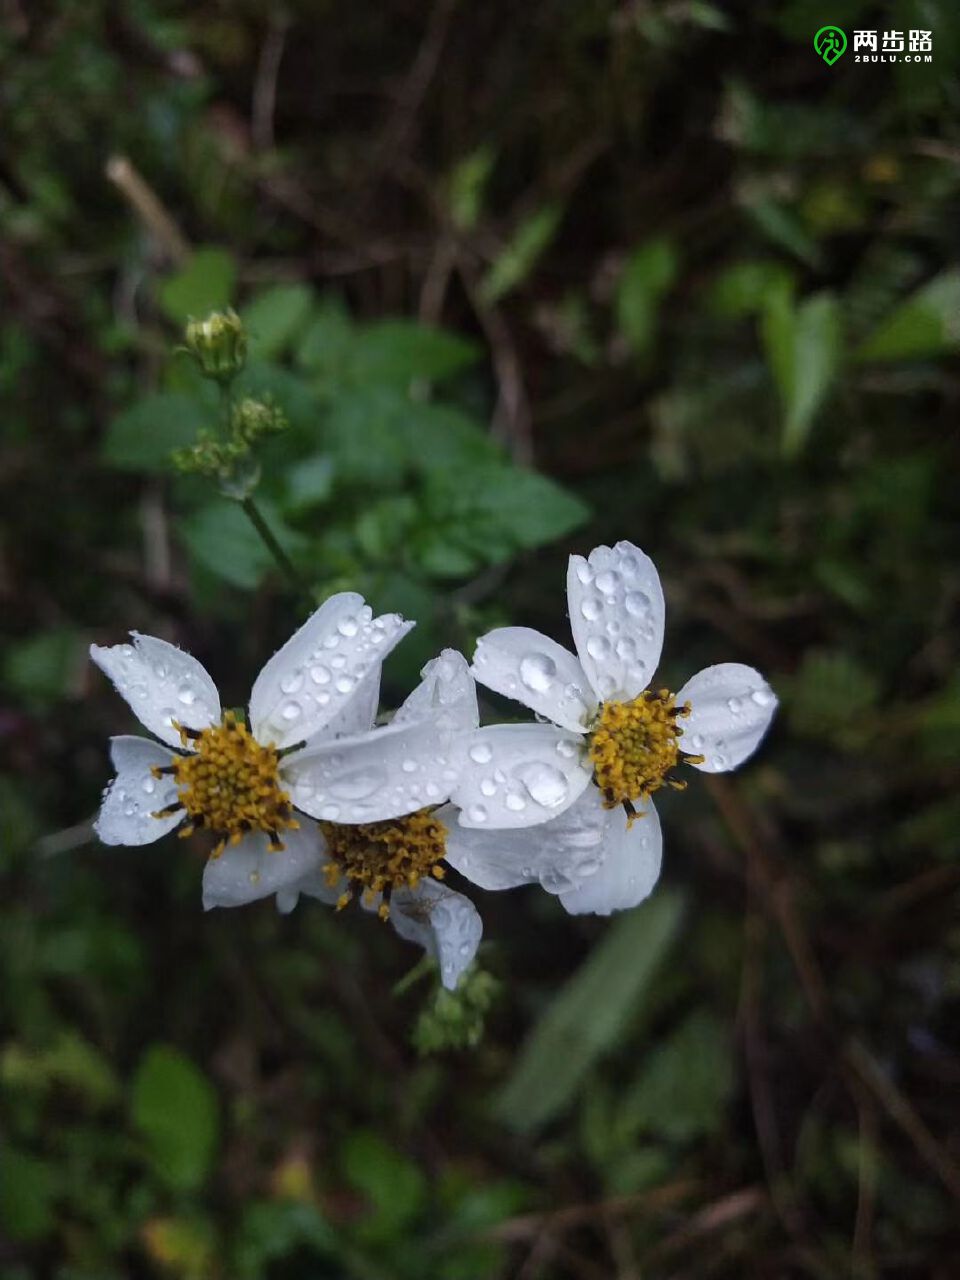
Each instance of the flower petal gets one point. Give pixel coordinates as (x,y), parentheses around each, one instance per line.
(616,615)
(558,854)
(162,684)
(359,712)
(446,693)
(629,870)
(135,794)
(375,775)
(520,774)
(248,871)
(523,664)
(307,682)
(731,709)
(445,923)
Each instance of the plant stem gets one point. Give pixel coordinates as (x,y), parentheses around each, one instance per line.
(255,517)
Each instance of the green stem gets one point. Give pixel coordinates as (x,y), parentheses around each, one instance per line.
(273,546)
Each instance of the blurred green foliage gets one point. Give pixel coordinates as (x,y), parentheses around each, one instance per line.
(521,281)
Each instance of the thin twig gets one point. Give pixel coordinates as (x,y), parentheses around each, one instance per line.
(147,205)
(265,84)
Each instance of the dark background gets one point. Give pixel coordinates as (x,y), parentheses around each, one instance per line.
(704,285)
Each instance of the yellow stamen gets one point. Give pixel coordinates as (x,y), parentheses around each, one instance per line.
(230,785)
(378,857)
(635,745)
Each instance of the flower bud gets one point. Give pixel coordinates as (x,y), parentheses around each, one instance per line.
(218,344)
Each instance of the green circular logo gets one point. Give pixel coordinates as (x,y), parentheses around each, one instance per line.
(830,43)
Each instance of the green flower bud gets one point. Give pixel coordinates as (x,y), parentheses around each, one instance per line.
(218,344)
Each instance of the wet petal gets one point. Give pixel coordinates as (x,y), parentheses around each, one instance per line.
(559,854)
(320,669)
(445,923)
(616,615)
(376,775)
(520,774)
(135,794)
(446,694)
(248,871)
(523,664)
(629,870)
(731,709)
(162,684)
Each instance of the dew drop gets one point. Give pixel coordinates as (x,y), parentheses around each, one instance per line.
(348,626)
(614,627)
(477,813)
(290,710)
(161,671)
(697,742)
(149,785)
(186,695)
(762,697)
(537,672)
(129,808)
(734,706)
(330,812)
(357,785)
(608,581)
(292,682)
(547,785)
(409,766)
(637,604)
(127,650)
(323,697)
(499,777)
(629,565)
(331,641)
(515,802)
(319,675)
(584,573)
(598,647)
(345,684)
(488,787)
(566,748)
(432,790)
(481,753)
(626,649)
(338,662)
(591,608)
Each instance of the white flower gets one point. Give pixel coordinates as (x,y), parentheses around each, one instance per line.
(587,777)
(310,745)
(393,865)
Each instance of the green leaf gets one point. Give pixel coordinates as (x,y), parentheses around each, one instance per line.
(393,1185)
(174,1107)
(143,437)
(588,1015)
(519,257)
(205,284)
(222,539)
(400,351)
(309,483)
(26,1195)
(925,324)
(684,1085)
(275,318)
(41,668)
(803,347)
(467,186)
(744,288)
(650,271)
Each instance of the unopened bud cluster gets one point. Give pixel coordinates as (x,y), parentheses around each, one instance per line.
(218,344)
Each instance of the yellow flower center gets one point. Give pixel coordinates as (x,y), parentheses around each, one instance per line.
(378,857)
(229,785)
(635,745)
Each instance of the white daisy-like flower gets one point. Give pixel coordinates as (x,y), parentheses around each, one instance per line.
(393,865)
(310,746)
(581,785)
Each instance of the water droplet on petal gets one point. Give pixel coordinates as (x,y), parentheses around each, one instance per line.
(734,706)
(598,647)
(537,672)
(608,581)
(762,697)
(345,684)
(161,671)
(626,649)
(409,766)
(477,813)
(357,785)
(566,748)
(292,682)
(696,742)
(584,573)
(323,697)
(330,812)
(187,695)
(338,662)
(290,710)
(481,753)
(488,786)
(629,565)
(547,785)
(149,785)
(591,608)
(129,808)
(319,675)
(637,604)
(348,626)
